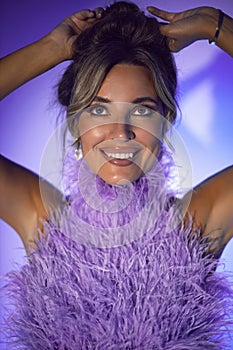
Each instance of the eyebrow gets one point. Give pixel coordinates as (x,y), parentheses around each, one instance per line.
(136,100)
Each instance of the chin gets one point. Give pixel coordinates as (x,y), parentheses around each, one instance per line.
(120,176)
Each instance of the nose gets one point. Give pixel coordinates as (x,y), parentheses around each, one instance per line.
(121,131)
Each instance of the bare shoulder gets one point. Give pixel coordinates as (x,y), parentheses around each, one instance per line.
(211,207)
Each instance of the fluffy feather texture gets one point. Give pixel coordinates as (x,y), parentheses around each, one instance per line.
(86,286)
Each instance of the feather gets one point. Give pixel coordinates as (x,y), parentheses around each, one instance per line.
(118,270)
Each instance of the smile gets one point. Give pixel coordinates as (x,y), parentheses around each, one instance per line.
(120,155)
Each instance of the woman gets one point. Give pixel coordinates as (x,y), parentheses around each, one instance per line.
(137,80)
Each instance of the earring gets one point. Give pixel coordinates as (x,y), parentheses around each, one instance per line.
(78,154)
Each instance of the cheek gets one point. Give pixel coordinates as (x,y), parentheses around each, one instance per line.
(89,139)
(151,131)
(150,140)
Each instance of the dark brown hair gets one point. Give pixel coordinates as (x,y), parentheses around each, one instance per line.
(124,35)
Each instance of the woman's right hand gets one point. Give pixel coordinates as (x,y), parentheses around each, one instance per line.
(67,31)
(54,48)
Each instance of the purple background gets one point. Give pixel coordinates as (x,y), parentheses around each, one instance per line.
(28,115)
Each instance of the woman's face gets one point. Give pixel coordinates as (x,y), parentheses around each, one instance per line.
(121,130)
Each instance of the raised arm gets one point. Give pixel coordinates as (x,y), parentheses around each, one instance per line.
(211,203)
(25,199)
(42,55)
(21,201)
(211,207)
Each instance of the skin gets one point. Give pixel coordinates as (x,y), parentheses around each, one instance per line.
(186,27)
(125,84)
(21,204)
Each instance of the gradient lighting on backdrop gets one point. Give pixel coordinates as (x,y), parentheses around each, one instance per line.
(29,114)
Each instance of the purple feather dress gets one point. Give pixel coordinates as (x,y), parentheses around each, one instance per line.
(118,270)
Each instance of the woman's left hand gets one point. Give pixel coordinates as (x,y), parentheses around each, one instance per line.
(186,27)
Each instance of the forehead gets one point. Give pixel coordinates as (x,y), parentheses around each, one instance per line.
(125,83)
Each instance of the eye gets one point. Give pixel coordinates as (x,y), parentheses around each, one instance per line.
(98,110)
(142,111)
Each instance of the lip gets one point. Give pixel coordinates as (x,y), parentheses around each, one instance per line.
(119,150)
(120,146)
(117,161)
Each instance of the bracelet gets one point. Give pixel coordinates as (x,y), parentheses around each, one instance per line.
(218,28)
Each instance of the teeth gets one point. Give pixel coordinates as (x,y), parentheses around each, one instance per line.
(119,155)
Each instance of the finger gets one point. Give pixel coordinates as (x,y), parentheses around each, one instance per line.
(173,45)
(165,29)
(88,16)
(167,16)
(84,14)
(98,12)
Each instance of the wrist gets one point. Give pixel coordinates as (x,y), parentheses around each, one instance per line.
(211,27)
(218,27)
(54,49)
